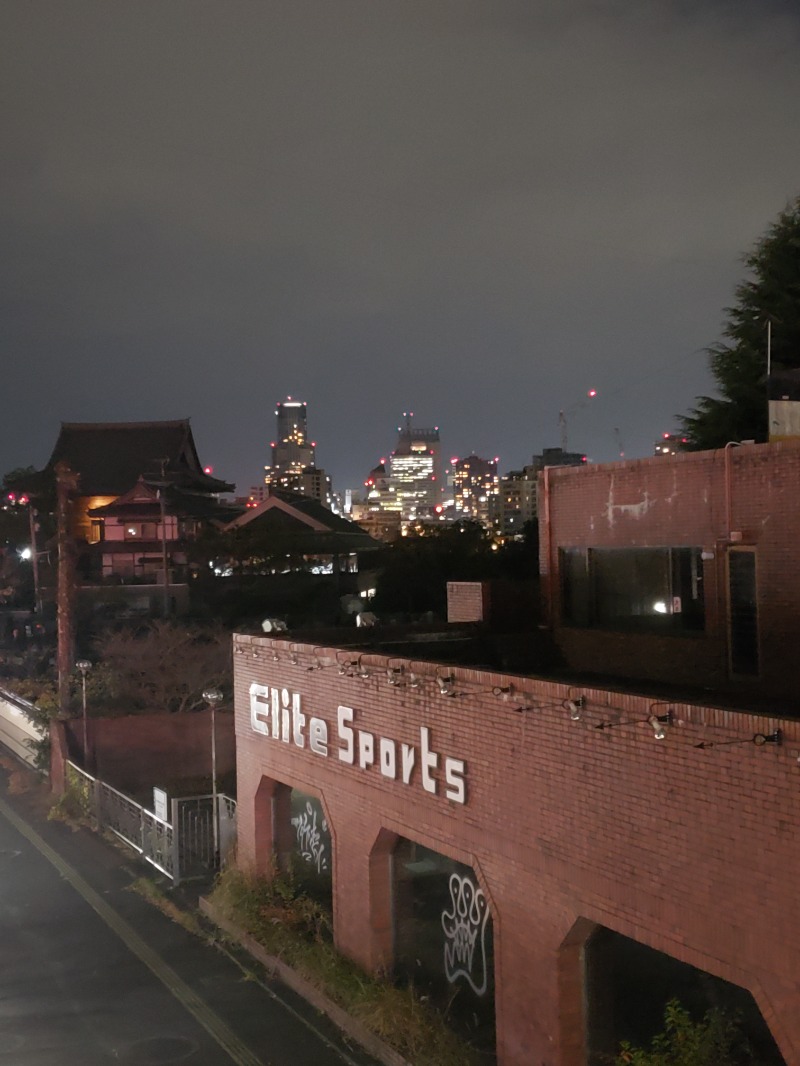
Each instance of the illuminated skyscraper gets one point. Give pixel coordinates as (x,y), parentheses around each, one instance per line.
(416,469)
(293,463)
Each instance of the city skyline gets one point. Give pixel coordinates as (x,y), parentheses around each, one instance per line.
(476,212)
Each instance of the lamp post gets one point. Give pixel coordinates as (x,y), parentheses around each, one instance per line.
(84,666)
(213,696)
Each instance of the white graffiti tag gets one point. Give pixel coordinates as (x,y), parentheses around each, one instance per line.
(309,838)
(465,928)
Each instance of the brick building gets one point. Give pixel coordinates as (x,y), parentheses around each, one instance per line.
(680,569)
(508,841)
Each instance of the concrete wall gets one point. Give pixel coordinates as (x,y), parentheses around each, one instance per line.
(16,731)
(692,851)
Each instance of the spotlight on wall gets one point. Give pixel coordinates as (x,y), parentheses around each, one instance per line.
(768,738)
(575,707)
(414,681)
(504,691)
(759,739)
(394,675)
(446,684)
(658,721)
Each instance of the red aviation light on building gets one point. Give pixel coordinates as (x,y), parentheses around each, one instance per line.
(665,436)
(454,460)
(12,496)
(591,393)
(23,499)
(208,469)
(584,459)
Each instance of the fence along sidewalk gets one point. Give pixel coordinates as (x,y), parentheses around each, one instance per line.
(181,849)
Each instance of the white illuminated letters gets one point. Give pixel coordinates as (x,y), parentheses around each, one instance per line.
(347,753)
(277,713)
(429,761)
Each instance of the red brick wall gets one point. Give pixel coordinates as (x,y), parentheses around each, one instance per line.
(467,601)
(681,501)
(694,852)
(141,750)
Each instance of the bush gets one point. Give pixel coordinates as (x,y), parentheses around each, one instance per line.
(298,931)
(714,1041)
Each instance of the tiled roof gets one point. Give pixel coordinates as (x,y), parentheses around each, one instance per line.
(306,518)
(111,456)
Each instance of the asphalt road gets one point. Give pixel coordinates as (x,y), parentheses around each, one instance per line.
(92,974)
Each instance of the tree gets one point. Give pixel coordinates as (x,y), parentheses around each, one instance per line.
(165,667)
(414,570)
(739,361)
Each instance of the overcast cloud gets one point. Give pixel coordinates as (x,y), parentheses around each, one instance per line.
(472,210)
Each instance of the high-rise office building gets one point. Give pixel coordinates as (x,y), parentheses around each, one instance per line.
(293,463)
(416,469)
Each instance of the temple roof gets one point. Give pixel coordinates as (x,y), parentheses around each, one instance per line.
(308,521)
(110,457)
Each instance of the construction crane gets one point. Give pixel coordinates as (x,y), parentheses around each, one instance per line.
(562,416)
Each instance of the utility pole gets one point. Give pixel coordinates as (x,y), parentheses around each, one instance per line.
(66,484)
(164,555)
(37,595)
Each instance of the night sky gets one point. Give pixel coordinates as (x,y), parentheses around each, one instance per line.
(476,211)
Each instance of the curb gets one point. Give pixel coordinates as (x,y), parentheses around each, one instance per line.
(350,1026)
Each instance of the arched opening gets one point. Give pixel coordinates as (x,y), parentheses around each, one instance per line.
(627,988)
(443,941)
(304,844)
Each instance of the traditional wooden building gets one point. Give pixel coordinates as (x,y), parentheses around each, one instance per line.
(140,497)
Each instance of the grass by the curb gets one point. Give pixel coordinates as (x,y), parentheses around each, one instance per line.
(297,931)
(150,891)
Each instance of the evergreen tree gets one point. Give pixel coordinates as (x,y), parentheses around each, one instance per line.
(739,361)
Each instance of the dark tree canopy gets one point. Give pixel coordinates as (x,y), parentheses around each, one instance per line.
(739,361)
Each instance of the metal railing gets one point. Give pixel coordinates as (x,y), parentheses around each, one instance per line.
(181,849)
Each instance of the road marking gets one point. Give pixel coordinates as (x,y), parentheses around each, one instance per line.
(250,975)
(211,1022)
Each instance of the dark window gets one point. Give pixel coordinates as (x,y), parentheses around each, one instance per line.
(443,939)
(311,857)
(575,597)
(743,612)
(645,589)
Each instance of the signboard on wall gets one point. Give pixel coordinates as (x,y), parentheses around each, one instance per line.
(277,713)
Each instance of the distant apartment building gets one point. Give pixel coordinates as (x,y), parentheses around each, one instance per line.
(294,467)
(475,485)
(516,501)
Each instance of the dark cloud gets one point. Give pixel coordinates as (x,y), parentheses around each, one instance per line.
(476,211)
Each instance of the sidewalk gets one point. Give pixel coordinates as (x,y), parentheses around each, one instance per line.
(135,977)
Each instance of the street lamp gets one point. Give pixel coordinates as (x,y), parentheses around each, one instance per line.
(84,666)
(213,696)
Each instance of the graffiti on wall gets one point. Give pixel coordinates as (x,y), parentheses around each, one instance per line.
(464,925)
(310,841)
